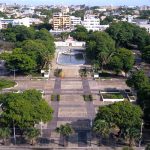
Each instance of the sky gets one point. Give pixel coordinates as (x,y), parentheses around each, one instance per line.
(77,2)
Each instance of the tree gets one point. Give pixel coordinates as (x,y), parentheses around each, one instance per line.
(24,109)
(80,33)
(137,80)
(127,59)
(64,35)
(116,64)
(125,34)
(143,95)
(124,115)
(32,134)
(100,47)
(102,128)
(65,131)
(146,54)
(132,134)
(21,62)
(4,134)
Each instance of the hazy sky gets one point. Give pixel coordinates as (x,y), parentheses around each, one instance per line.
(87,2)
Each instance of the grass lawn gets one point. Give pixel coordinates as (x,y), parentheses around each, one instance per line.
(4,83)
(112,96)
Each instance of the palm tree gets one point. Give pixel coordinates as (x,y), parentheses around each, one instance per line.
(132,135)
(4,134)
(64,35)
(32,134)
(104,58)
(101,127)
(65,131)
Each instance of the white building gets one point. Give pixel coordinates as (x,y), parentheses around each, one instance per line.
(24,21)
(90,22)
(146,26)
(75,21)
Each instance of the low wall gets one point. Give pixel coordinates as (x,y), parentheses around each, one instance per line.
(110,100)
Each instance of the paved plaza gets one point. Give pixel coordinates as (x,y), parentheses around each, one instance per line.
(72,108)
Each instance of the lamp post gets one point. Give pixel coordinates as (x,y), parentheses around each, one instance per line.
(14,70)
(141,133)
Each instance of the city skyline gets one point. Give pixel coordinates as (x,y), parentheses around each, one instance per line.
(78,2)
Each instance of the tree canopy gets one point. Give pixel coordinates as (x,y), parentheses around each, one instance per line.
(123,115)
(100,47)
(24,109)
(33,49)
(126,34)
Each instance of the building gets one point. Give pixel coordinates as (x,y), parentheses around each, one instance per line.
(91,22)
(24,21)
(61,21)
(146,26)
(4,23)
(75,21)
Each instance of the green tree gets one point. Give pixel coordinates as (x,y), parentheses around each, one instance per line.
(64,35)
(116,64)
(4,134)
(102,128)
(32,134)
(132,134)
(80,33)
(126,34)
(65,131)
(100,47)
(144,100)
(137,80)
(127,59)
(21,62)
(15,106)
(124,115)
(146,54)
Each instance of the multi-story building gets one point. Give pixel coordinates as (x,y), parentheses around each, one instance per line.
(75,21)
(24,21)
(91,22)
(61,21)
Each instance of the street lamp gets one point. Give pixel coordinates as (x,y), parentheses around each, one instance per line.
(14,70)
(141,132)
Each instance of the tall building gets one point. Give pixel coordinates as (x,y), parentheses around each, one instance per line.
(91,22)
(75,21)
(61,21)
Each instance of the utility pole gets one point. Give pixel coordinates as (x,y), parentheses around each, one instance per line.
(14,70)
(14,133)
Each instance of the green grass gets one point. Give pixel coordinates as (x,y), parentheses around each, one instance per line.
(112,96)
(4,83)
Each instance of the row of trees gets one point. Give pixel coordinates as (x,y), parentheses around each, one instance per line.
(22,111)
(129,35)
(100,48)
(140,82)
(34,49)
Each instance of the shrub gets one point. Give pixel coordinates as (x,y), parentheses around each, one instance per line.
(112,96)
(52,97)
(58,97)
(88,97)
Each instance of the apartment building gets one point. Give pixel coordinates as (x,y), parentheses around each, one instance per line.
(75,21)
(24,21)
(61,21)
(91,22)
